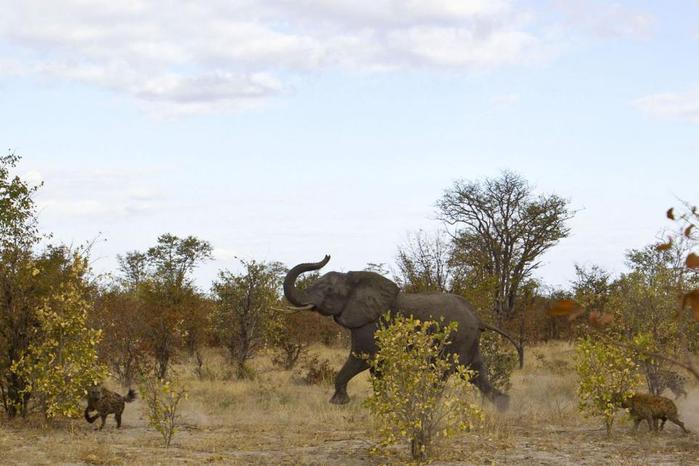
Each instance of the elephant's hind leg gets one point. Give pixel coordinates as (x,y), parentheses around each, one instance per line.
(480,380)
(352,367)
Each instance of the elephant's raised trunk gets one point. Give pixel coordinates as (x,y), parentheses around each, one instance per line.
(293,294)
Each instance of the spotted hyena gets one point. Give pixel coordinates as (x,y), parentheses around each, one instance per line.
(106,402)
(651,408)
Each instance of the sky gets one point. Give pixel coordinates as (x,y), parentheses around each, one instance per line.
(286,130)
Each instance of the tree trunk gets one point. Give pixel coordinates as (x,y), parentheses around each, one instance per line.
(419,446)
(520,349)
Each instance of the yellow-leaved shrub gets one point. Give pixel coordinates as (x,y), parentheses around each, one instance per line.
(413,397)
(61,361)
(607,375)
(162,397)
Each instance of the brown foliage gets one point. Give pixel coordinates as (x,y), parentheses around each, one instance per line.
(692,261)
(319,371)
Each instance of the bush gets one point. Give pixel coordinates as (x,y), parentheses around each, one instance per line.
(608,374)
(61,360)
(413,398)
(319,371)
(499,360)
(162,398)
(288,354)
(289,340)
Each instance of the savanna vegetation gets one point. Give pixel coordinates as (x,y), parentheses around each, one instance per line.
(223,377)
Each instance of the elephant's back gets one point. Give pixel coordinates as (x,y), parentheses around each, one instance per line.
(433,306)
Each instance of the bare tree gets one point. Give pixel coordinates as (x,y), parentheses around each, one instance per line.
(502,228)
(423,263)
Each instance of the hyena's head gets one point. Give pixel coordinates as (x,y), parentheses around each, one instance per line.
(620,400)
(94,393)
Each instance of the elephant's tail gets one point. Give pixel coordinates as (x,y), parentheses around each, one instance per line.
(518,346)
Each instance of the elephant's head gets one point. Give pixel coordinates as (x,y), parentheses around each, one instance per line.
(354,299)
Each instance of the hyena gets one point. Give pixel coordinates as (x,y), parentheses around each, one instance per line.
(651,408)
(106,402)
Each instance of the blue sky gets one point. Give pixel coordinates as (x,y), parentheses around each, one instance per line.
(288,130)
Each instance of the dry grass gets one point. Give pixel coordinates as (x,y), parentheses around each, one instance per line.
(275,419)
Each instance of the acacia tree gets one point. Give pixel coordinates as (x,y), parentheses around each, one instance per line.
(244,312)
(501,228)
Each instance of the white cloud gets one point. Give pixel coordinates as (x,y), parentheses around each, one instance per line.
(93,208)
(220,54)
(605,19)
(225,255)
(144,194)
(680,106)
(99,193)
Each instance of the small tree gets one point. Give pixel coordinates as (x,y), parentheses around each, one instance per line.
(162,398)
(608,374)
(289,337)
(118,313)
(413,398)
(61,360)
(244,312)
(160,279)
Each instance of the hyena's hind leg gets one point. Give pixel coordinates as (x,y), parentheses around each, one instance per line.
(117,416)
(677,421)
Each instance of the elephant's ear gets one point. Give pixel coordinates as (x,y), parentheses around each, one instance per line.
(371,295)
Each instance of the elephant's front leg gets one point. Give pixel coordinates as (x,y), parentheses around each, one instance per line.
(352,367)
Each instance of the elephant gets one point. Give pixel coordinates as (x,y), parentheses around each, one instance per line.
(357,300)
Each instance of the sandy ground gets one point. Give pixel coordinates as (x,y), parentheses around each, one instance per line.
(276,420)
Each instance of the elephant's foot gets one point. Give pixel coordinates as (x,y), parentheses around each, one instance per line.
(340,398)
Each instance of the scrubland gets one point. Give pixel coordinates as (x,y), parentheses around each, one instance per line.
(277,419)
